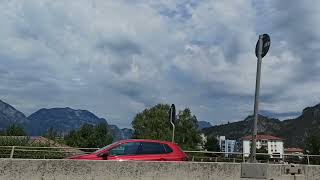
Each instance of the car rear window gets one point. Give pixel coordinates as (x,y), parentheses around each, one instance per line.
(152,148)
(167,148)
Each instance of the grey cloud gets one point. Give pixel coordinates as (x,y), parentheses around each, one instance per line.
(115,58)
(120,46)
(295,22)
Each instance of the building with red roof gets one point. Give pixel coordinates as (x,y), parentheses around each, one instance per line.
(273,144)
(293,150)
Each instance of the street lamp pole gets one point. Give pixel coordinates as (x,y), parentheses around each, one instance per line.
(172,118)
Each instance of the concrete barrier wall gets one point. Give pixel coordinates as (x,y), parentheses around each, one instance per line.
(15,169)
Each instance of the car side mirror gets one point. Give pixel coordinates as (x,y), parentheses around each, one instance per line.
(104,155)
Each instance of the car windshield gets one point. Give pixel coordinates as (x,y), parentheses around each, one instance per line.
(106,147)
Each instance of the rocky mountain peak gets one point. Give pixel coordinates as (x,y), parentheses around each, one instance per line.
(204,124)
(9,115)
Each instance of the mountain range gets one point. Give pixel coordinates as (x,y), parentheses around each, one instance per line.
(65,119)
(294,130)
(62,120)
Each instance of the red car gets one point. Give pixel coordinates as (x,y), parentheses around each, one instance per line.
(137,150)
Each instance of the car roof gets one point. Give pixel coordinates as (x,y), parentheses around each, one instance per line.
(145,140)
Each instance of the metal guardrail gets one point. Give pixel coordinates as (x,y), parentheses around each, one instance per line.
(54,147)
(235,156)
(62,150)
(202,156)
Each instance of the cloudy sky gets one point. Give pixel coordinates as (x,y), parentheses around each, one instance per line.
(117,57)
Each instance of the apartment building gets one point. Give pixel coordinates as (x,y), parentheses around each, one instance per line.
(274,145)
(228,145)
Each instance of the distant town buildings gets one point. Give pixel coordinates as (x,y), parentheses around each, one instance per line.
(274,145)
(228,146)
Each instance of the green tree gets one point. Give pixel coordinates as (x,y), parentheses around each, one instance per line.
(312,142)
(187,132)
(15,130)
(102,135)
(312,145)
(263,156)
(154,123)
(51,134)
(90,136)
(212,144)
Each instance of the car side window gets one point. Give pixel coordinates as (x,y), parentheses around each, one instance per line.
(151,148)
(130,148)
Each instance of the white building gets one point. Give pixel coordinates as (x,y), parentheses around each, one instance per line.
(227,145)
(274,145)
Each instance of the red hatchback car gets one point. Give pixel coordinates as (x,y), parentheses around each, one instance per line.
(137,150)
